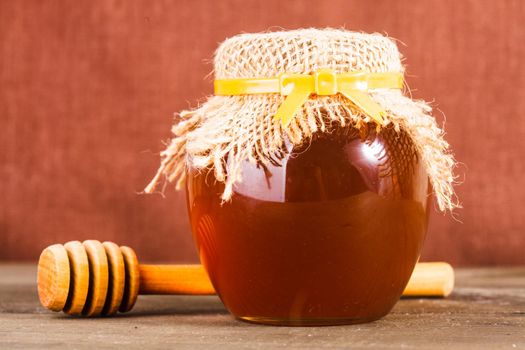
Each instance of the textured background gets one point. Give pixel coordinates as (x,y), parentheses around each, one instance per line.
(88,88)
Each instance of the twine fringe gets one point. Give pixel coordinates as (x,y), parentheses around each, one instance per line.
(228,130)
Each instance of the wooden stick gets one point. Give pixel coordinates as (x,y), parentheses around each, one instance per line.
(174,279)
(432,279)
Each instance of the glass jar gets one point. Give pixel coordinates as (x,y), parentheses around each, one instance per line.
(327,235)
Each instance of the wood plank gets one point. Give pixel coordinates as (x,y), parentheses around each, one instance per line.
(486,311)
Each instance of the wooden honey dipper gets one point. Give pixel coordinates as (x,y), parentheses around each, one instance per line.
(93,278)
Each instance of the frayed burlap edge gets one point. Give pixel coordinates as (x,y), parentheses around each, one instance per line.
(239,128)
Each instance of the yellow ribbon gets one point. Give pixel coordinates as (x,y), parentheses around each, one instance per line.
(299,87)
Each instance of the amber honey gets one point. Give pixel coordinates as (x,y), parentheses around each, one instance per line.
(330,234)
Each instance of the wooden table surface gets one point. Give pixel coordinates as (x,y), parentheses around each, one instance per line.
(486,311)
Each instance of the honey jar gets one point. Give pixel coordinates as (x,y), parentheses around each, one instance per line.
(309,176)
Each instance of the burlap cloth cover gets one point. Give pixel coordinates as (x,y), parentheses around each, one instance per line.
(227,130)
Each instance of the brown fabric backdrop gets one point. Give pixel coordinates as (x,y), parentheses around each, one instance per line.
(88,88)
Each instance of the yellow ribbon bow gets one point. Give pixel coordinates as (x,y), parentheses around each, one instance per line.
(299,87)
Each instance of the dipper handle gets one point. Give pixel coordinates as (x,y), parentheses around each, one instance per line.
(93,278)
(174,279)
(430,279)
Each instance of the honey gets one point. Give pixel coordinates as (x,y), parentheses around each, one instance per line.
(327,234)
